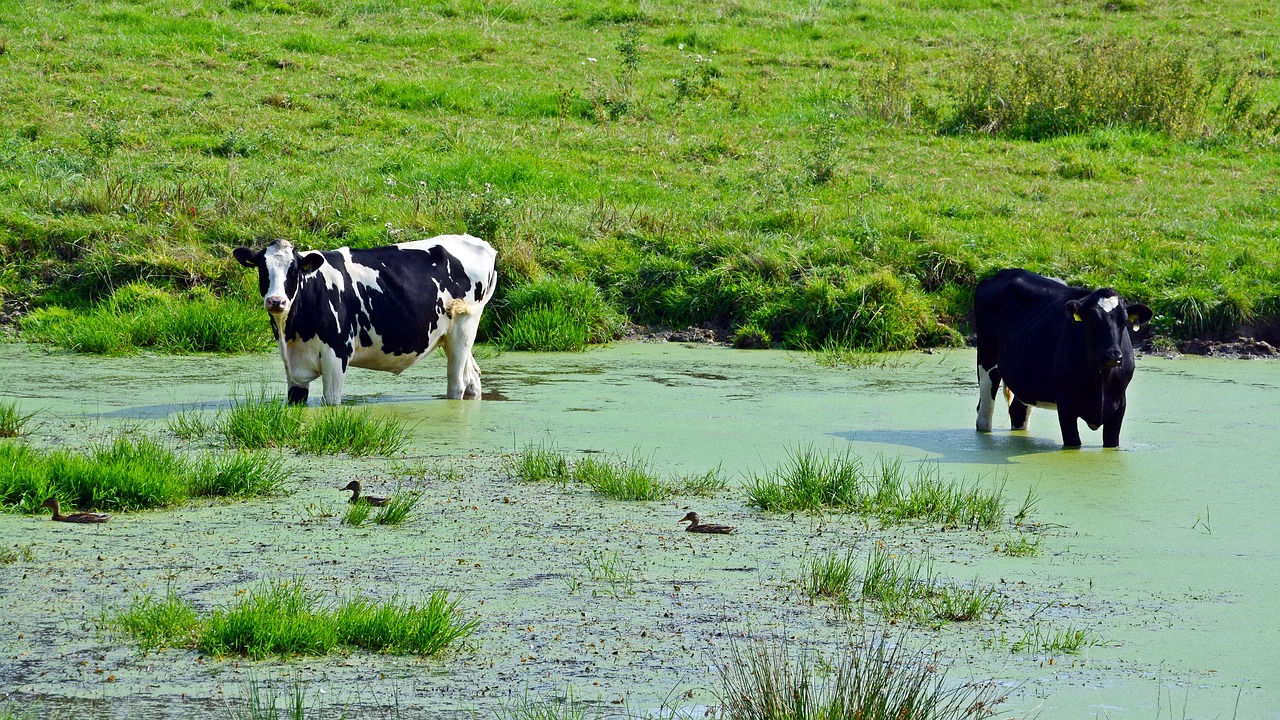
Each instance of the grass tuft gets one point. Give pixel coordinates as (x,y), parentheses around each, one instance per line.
(17,553)
(12,422)
(243,474)
(830,576)
(354,431)
(285,618)
(621,479)
(1042,639)
(130,473)
(158,623)
(877,679)
(557,315)
(262,420)
(811,481)
(397,509)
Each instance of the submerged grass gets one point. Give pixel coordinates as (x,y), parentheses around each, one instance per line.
(130,473)
(1044,639)
(621,478)
(811,481)
(286,618)
(875,679)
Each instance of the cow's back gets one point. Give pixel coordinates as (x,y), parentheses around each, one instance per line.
(384,307)
(1019,318)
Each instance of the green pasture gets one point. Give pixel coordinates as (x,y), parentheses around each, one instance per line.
(834,173)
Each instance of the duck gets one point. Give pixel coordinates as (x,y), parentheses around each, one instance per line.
(80,517)
(354,487)
(696,525)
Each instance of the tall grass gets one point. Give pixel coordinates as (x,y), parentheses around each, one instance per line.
(1041,92)
(141,316)
(810,480)
(877,679)
(130,473)
(286,618)
(557,315)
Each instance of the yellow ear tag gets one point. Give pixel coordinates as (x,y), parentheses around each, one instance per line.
(1133,322)
(1076,317)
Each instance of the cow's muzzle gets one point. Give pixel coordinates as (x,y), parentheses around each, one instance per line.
(275,304)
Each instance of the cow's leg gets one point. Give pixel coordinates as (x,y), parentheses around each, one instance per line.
(298,393)
(1111,428)
(988,386)
(472,390)
(1070,430)
(464,373)
(333,375)
(1019,412)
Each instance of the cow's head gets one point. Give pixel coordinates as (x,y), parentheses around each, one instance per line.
(280,267)
(1106,318)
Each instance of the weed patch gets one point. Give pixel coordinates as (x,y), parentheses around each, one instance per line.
(355,432)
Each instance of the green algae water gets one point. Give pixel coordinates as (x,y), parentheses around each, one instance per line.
(1166,551)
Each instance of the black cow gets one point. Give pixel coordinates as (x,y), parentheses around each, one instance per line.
(381,308)
(1054,346)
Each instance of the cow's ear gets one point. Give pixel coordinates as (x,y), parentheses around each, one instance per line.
(1073,310)
(310,263)
(244,256)
(1139,315)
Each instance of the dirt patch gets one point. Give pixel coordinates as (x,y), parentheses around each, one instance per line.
(707,335)
(1240,348)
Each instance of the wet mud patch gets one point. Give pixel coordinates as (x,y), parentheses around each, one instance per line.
(1160,548)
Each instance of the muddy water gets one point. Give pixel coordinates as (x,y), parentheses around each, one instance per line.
(1168,549)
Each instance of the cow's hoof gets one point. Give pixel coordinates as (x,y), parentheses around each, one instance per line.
(298,395)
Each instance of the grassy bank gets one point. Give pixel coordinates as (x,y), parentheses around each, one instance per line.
(798,173)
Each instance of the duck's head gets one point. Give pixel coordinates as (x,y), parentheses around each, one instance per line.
(353,485)
(51,503)
(692,517)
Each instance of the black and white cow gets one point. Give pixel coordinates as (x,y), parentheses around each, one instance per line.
(381,308)
(1054,346)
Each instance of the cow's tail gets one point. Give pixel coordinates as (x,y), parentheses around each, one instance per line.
(459,306)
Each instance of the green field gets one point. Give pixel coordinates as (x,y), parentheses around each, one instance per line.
(799,173)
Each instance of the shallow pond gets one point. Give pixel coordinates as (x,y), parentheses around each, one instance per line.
(1168,550)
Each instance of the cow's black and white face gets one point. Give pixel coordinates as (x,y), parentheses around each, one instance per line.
(280,269)
(1106,320)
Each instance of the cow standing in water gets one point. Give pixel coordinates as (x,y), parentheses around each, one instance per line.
(1056,347)
(381,308)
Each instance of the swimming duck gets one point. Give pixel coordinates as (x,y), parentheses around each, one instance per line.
(80,517)
(696,525)
(354,487)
